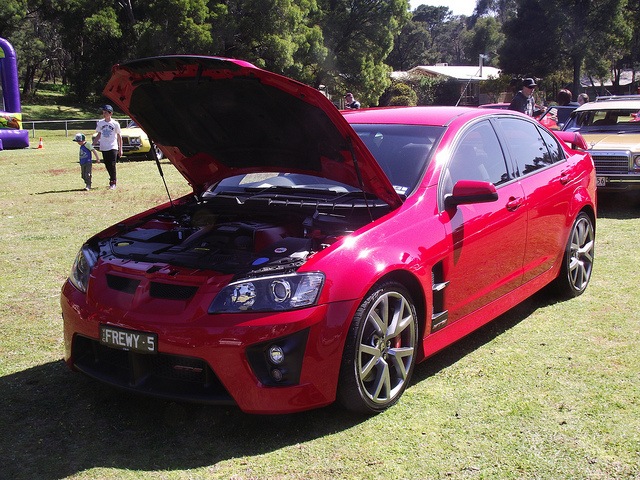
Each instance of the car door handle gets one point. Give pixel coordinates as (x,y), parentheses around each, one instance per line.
(514,203)
(565,178)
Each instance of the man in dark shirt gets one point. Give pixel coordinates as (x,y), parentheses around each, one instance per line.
(351,102)
(523,101)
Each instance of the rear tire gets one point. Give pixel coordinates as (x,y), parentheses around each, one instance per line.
(380,351)
(577,263)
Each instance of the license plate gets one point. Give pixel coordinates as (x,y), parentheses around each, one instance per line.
(601,181)
(129,340)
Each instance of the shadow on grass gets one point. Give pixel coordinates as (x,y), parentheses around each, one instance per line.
(58,423)
(62,191)
(619,205)
(453,353)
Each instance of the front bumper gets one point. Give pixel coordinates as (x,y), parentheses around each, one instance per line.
(204,359)
(606,182)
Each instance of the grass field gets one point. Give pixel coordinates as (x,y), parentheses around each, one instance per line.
(550,390)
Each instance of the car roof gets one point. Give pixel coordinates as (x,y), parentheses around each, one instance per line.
(429,115)
(630,102)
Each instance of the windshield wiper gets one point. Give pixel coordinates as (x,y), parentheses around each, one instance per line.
(291,190)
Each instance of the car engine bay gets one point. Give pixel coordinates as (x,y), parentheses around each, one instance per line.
(230,234)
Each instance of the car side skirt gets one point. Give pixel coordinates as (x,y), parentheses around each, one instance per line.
(444,337)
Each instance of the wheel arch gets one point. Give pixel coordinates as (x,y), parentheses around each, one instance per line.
(590,211)
(414,287)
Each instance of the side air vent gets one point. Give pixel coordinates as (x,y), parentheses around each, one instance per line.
(439,316)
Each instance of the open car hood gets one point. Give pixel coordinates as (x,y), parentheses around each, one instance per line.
(216,117)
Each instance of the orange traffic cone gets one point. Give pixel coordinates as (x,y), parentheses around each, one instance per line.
(41,145)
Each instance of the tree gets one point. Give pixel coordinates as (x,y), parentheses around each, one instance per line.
(277,35)
(450,42)
(411,47)
(485,38)
(170,27)
(38,45)
(12,16)
(93,36)
(433,18)
(549,35)
(358,35)
(501,10)
(446,31)
(416,43)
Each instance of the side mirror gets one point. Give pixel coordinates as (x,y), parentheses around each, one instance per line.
(470,191)
(573,139)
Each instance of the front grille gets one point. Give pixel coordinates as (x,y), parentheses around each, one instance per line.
(125,141)
(171,292)
(611,164)
(167,291)
(173,377)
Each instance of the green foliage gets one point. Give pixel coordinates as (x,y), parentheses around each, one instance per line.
(342,44)
(421,90)
(412,47)
(550,35)
(12,15)
(399,94)
(345,45)
(485,38)
(448,92)
(495,86)
(173,27)
(359,36)
(427,90)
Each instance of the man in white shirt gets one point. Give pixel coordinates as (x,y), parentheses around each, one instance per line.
(110,142)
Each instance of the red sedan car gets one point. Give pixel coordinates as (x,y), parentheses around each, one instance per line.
(321,253)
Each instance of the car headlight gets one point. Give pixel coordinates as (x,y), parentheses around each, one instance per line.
(636,162)
(277,293)
(84,262)
(135,140)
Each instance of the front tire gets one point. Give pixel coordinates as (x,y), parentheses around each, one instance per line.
(380,351)
(577,263)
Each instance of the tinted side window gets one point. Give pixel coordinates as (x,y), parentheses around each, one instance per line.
(556,153)
(478,156)
(525,145)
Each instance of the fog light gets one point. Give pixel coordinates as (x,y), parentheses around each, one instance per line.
(276,355)
(277,362)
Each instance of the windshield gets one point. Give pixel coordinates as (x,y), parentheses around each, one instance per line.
(403,151)
(619,120)
(290,182)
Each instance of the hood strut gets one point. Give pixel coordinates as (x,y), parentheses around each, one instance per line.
(163,180)
(360,181)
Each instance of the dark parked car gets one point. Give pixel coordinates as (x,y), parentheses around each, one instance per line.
(321,253)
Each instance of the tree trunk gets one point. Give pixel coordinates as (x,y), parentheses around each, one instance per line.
(577,65)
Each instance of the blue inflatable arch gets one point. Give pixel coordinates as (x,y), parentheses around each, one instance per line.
(11,133)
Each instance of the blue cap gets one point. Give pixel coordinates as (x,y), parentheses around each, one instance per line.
(108,108)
